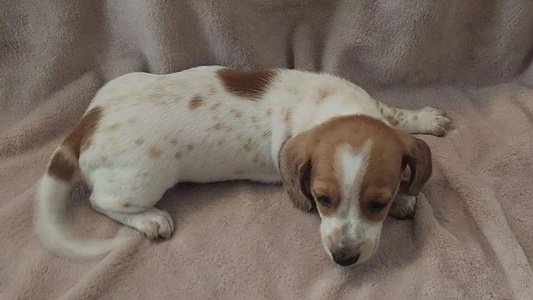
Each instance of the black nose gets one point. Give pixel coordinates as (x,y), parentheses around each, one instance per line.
(346,257)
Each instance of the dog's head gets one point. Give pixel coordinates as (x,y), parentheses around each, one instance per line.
(350,169)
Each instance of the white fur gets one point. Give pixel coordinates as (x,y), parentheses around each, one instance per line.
(149,138)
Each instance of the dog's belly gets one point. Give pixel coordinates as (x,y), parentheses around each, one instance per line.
(217,172)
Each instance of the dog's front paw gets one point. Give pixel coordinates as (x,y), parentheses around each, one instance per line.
(403,207)
(432,120)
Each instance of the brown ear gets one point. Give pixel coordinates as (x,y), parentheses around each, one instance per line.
(418,158)
(295,168)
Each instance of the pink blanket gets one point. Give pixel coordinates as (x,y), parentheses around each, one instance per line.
(472,237)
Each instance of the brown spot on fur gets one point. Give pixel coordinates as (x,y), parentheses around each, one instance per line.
(221,142)
(190,146)
(248,145)
(139,141)
(80,137)
(132,121)
(214,107)
(154,152)
(288,115)
(126,204)
(267,133)
(195,102)
(323,93)
(235,113)
(112,127)
(250,84)
(254,119)
(217,126)
(173,141)
(61,167)
(293,91)
(177,155)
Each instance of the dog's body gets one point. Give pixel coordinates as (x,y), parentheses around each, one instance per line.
(143,133)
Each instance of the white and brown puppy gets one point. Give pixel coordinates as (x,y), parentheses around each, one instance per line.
(332,145)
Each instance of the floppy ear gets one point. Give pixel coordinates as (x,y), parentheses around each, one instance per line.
(418,158)
(295,168)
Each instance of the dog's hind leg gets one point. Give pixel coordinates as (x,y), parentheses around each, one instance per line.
(152,221)
(134,209)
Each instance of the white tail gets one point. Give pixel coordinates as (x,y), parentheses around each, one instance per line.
(52,195)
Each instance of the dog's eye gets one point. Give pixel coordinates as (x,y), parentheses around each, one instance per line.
(377,205)
(324,201)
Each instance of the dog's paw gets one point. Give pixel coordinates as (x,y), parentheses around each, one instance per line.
(154,223)
(430,120)
(403,207)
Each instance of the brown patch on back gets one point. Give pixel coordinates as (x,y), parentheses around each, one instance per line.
(80,137)
(177,155)
(195,102)
(61,167)
(250,84)
(154,152)
(190,146)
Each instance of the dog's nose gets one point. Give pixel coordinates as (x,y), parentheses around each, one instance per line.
(346,257)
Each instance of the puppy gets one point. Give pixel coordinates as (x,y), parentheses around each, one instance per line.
(335,149)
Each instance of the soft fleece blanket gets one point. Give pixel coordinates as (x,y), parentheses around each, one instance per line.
(472,237)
